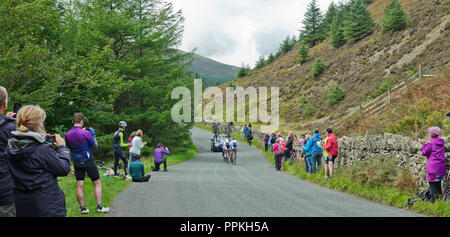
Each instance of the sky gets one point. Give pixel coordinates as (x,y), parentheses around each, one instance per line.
(240,31)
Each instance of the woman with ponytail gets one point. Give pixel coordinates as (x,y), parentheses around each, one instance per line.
(34,166)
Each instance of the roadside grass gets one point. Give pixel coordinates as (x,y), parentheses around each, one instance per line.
(110,187)
(342,181)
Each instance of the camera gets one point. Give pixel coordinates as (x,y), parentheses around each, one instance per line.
(17,107)
(50,139)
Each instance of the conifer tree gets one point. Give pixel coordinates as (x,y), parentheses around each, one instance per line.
(312,25)
(302,54)
(329,18)
(318,68)
(359,22)
(394,17)
(337,32)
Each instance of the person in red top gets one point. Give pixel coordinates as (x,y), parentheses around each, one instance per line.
(332,149)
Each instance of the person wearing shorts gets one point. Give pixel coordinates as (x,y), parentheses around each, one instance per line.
(81,141)
(331,146)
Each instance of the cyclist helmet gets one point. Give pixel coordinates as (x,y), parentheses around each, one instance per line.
(227,141)
(122,124)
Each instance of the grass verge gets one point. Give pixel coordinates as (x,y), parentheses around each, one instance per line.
(341,181)
(110,187)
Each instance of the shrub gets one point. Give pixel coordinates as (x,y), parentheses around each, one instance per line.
(335,95)
(388,83)
(383,172)
(318,68)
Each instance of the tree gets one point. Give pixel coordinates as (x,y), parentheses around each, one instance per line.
(335,95)
(394,17)
(318,67)
(260,63)
(270,59)
(302,54)
(286,45)
(359,22)
(243,71)
(337,32)
(329,18)
(312,25)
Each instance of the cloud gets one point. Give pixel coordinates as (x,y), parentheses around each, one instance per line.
(239,31)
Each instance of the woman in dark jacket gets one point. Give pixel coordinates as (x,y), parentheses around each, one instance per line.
(34,166)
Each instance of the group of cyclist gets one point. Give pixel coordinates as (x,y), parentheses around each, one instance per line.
(229,148)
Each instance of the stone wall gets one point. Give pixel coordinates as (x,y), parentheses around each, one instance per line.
(407,152)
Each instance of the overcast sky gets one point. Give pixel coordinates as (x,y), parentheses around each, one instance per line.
(236,31)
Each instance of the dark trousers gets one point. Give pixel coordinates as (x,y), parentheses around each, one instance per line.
(144,179)
(266,147)
(158,164)
(435,191)
(118,154)
(278,158)
(287,155)
(316,159)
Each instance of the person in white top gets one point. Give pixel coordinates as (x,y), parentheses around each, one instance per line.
(136,145)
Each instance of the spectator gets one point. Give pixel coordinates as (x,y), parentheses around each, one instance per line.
(130,139)
(331,149)
(289,147)
(7,207)
(278,151)
(160,151)
(316,151)
(243,131)
(81,142)
(434,150)
(137,145)
(307,150)
(266,142)
(35,165)
(137,171)
(249,136)
(118,145)
(244,135)
(273,140)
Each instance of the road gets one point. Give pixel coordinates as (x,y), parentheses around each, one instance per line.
(205,186)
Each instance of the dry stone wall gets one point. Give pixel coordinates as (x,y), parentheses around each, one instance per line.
(406,152)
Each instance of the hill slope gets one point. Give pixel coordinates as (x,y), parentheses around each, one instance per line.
(360,68)
(212,71)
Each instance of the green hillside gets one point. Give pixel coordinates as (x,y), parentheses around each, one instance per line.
(212,71)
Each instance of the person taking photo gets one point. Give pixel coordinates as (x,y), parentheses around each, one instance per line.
(81,142)
(35,165)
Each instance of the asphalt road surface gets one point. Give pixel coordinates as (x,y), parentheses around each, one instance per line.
(205,186)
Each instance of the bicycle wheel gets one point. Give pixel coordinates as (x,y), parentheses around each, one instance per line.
(234,158)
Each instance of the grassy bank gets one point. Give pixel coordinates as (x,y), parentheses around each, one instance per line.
(111,187)
(343,182)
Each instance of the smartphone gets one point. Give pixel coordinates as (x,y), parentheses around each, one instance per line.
(17,107)
(50,139)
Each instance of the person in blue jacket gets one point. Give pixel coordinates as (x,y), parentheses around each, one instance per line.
(307,150)
(317,151)
(35,165)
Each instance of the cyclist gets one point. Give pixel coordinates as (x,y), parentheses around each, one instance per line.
(233,146)
(81,142)
(118,147)
(226,148)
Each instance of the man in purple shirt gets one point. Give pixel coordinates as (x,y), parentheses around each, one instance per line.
(81,141)
(159,157)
